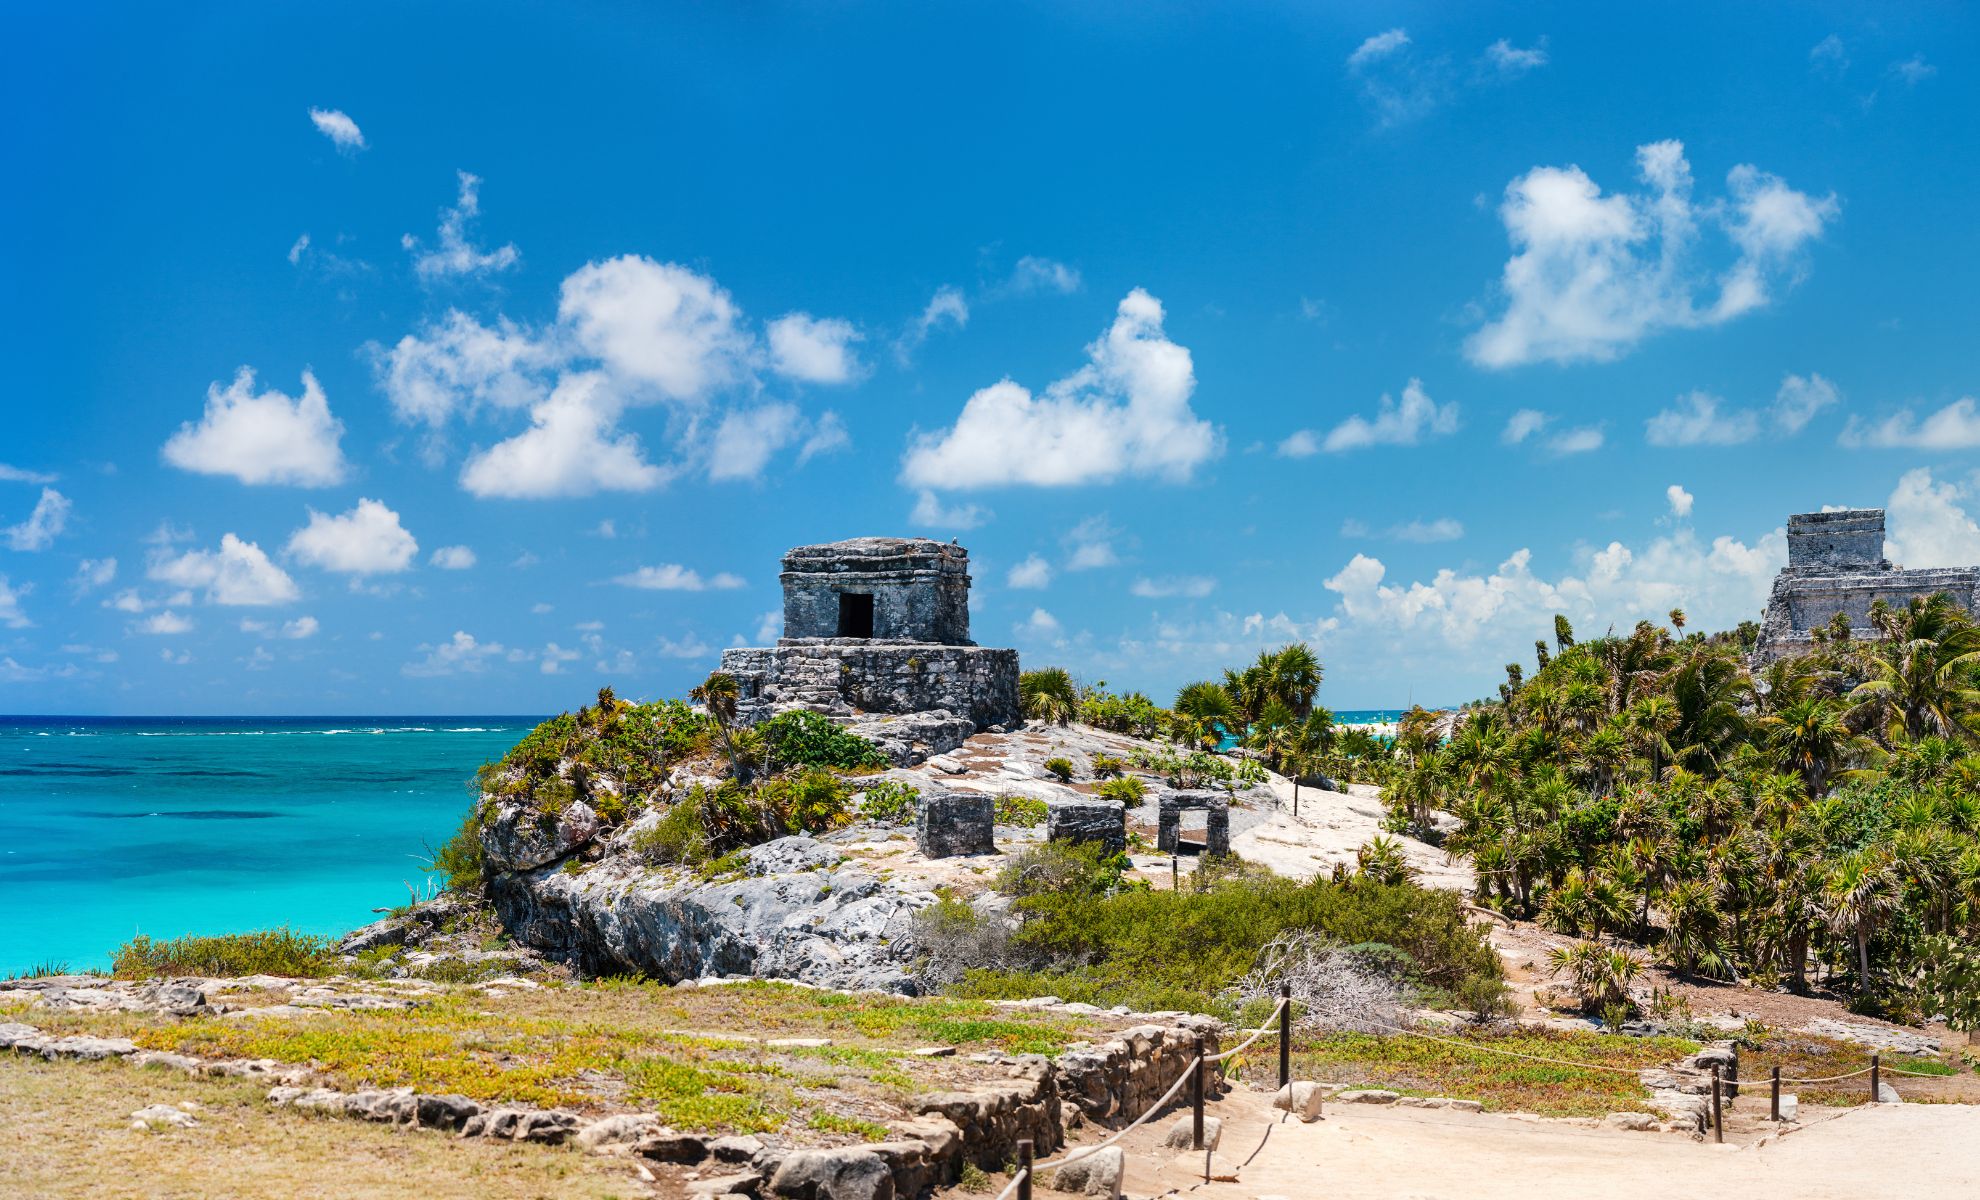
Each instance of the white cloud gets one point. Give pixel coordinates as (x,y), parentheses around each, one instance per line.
(9,474)
(1592,275)
(368,540)
(1680,501)
(1033,572)
(688,647)
(945,307)
(554,657)
(569,450)
(1522,425)
(46,523)
(930,512)
(1697,420)
(816,350)
(11,614)
(460,655)
(1928,525)
(1511,61)
(458,364)
(746,440)
(1039,625)
(1192,586)
(1799,398)
(1380,46)
(1125,413)
(1914,70)
(1954,427)
(179,659)
(828,433)
(453,558)
(296,249)
(1829,56)
(93,573)
(770,627)
(127,600)
(1579,440)
(1034,274)
(1301,443)
(296,630)
(1481,618)
(1092,544)
(236,574)
(165,624)
(340,129)
(456,255)
(1443,529)
(1395,424)
(656,324)
(268,438)
(672,577)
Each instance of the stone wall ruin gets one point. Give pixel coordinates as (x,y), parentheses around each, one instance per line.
(1836,564)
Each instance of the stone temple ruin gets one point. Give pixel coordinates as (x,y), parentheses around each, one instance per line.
(878,628)
(1836,564)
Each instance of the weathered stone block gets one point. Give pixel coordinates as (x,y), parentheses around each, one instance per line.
(1103,821)
(947,824)
(1836,566)
(1217,821)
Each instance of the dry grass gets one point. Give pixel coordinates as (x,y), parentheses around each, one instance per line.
(1807,1056)
(69,1136)
(1416,1067)
(697,1058)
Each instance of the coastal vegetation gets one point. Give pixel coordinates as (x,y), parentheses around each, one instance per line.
(280,951)
(1817,814)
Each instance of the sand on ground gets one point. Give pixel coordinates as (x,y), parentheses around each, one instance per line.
(1370,1151)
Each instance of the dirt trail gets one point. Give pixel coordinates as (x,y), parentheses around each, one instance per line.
(1422,1154)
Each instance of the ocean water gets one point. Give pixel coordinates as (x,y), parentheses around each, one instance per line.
(111,827)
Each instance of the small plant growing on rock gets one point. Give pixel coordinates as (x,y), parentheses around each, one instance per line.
(1107,766)
(1060,767)
(1126,788)
(889,802)
(802,738)
(1024,812)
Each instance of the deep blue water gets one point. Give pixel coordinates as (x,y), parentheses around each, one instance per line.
(111,827)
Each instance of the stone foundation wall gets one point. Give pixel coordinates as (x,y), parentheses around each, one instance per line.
(1804,600)
(1103,821)
(1216,827)
(947,824)
(849,677)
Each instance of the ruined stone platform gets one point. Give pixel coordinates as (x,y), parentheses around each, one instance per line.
(1836,564)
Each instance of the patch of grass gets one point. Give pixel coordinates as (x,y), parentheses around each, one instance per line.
(827,1122)
(1806,1056)
(1022,812)
(41,970)
(280,951)
(1417,1067)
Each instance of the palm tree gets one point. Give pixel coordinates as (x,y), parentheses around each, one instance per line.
(1295,676)
(1208,708)
(1652,719)
(1677,620)
(720,695)
(1859,892)
(1808,736)
(1049,695)
(1923,674)
(1563,632)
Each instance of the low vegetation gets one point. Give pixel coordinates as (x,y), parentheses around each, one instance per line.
(280,951)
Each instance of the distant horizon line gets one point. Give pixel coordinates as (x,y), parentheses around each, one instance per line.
(432,716)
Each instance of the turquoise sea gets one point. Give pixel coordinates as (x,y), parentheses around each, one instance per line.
(111,827)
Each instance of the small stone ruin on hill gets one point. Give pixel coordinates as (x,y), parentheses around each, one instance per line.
(1836,564)
(876,631)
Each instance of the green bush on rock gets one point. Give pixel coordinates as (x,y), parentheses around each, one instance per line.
(280,951)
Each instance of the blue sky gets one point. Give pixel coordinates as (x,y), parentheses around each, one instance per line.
(447,358)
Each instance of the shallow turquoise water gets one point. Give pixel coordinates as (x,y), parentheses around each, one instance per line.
(112,827)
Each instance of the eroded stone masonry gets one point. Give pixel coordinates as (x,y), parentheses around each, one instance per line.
(875,627)
(1836,564)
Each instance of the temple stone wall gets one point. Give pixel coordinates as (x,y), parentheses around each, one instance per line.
(919,589)
(1216,826)
(912,654)
(1836,564)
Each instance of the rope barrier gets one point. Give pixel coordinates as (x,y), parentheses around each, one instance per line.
(1013,1184)
(1541,1058)
(1195,1065)
(1829,1078)
(1261,1031)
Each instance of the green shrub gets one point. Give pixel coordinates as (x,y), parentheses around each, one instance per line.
(1070,868)
(1083,939)
(1107,766)
(814,802)
(679,836)
(802,738)
(889,802)
(1023,812)
(280,951)
(1048,695)
(1060,768)
(459,861)
(1128,789)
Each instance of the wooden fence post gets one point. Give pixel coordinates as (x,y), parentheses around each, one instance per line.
(1774,1110)
(1285,1036)
(1876,1071)
(1024,1169)
(1196,1096)
(1718,1114)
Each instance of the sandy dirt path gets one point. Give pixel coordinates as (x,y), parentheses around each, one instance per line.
(1363,1151)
